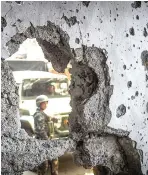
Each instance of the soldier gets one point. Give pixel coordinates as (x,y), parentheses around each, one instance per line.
(42,132)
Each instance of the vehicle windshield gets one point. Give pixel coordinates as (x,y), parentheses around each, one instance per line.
(31,88)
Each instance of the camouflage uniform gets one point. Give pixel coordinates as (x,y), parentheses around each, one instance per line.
(42,132)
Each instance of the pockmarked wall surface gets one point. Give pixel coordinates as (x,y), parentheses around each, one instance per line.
(120,29)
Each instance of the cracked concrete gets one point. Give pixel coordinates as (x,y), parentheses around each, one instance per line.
(19,151)
(51,39)
(121,50)
(96,142)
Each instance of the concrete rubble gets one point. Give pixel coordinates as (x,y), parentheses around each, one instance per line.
(98,137)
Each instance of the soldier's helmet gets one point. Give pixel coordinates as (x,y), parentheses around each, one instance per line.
(40,99)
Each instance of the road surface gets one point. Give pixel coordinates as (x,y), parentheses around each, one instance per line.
(67,167)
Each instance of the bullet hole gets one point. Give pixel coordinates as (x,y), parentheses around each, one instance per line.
(77,40)
(18,20)
(136,93)
(101,21)
(127,34)
(18,2)
(137,17)
(122,75)
(128,107)
(3,23)
(136,4)
(70,21)
(133,45)
(84,17)
(132,97)
(147,107)
(131,65)
(117,15)
(132,31)
(145,32)
(114,19)
(124,67)
(144,58)
(77,10)
(13,25)
(129,84)
(147,25)
(86,3)
(121,110)
(146,77)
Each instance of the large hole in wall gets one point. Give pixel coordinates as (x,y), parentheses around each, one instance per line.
(58,54)
(90,92)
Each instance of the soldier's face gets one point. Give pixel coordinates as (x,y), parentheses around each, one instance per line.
(43,105)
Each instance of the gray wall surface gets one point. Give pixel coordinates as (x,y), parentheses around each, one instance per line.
(121,28)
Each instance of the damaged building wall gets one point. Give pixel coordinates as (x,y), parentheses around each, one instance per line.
(19,151)
(120,28)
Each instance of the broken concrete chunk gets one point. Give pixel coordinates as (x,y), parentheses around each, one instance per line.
(121,110)
(131,156)
(93,154)
(116,154)
(53,41)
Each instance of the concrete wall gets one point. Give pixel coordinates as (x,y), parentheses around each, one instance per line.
(105,25)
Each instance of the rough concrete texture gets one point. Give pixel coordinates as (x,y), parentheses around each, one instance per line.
(90,90)
(99,28)
(19,151)
(118,155)
(93,109)
(52,40)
